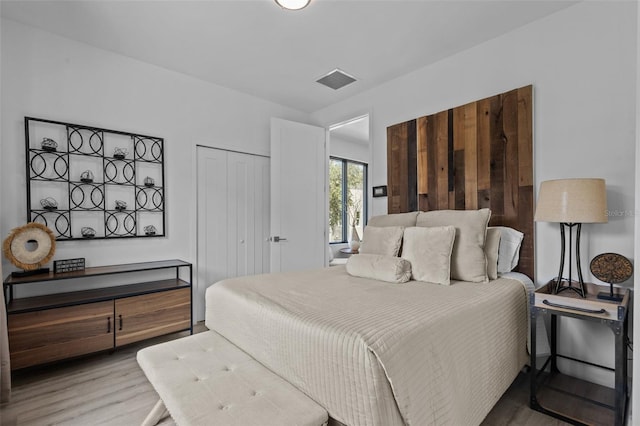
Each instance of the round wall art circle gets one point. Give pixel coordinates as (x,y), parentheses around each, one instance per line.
(29,246)
(612,268)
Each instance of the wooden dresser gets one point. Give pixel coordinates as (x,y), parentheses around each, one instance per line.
(54,327)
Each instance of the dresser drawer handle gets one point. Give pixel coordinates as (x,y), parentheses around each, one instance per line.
(573,308)
(120,321)
(108,325)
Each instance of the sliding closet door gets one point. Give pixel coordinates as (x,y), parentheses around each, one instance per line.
(212,220)
(247,214)
(262,201)
(233,218)
(240,227)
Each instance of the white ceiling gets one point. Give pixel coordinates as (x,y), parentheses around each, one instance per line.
(255,47)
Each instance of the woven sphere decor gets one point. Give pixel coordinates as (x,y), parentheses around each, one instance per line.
(15,246)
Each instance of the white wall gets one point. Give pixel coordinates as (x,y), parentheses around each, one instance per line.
(47,76)
(581,62)
(350,150)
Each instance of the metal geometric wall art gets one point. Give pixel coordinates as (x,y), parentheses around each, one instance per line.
(104,181)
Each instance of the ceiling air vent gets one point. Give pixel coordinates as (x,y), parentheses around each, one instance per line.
(336,79)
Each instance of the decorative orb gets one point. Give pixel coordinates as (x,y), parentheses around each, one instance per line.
(88,232)
(120,153)
(49,203)
(49,145)
(150,230)
(86,176)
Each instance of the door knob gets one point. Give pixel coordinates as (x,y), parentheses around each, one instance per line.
(277,239)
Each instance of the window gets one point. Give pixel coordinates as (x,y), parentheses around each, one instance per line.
(347,198)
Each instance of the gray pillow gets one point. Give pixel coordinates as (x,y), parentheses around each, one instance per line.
(509,252)
(378,267)
(491,250)
(396,219)
(385,241)
(429,251)
(468,262)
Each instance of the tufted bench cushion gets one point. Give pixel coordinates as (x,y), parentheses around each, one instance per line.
(206,380)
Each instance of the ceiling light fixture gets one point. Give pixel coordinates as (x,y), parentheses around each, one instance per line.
(293,4)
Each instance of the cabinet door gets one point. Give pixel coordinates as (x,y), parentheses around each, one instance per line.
(55,334)
(151,315)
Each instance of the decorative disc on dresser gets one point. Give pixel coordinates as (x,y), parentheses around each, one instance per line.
(612,268)
(30,246)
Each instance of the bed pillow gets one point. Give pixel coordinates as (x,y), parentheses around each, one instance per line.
(379,267)
(468,262)
(509,252)
(385,241)
(396,219)
(491,250)
(429,251)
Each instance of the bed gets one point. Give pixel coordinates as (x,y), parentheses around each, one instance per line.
(418,353)
(378,353)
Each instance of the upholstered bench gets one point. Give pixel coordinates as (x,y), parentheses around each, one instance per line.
(206,380)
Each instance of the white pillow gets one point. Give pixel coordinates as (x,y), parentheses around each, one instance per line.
(509,252)
(394,219)
(491,251)
(429,251)
(468,262)
(385,241)
(378,267)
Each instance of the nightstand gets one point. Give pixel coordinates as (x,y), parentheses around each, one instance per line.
(343,255)
(573,400)
(348,251)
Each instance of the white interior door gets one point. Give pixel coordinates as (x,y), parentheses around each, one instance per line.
(298,198)
(233,218)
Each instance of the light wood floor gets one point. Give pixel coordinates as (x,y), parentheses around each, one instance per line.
(110,389)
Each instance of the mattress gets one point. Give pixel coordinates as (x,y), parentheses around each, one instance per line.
(376,353)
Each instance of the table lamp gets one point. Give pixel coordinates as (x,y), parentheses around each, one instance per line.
(571,202)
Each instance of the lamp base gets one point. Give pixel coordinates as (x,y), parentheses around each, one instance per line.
(579,289)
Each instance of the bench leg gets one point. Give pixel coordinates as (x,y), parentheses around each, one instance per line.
(156,414)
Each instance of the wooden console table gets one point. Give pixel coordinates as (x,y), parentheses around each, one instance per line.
(53,327)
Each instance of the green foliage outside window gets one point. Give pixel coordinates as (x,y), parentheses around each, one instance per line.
(346,180)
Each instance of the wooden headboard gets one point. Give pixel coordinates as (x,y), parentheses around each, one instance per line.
(469,157)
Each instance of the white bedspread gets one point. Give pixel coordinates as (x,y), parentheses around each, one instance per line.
(376,353)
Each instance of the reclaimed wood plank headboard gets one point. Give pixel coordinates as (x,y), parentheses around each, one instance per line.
(473,156)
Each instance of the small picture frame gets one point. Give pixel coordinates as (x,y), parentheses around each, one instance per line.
(68,265)
(380,191)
